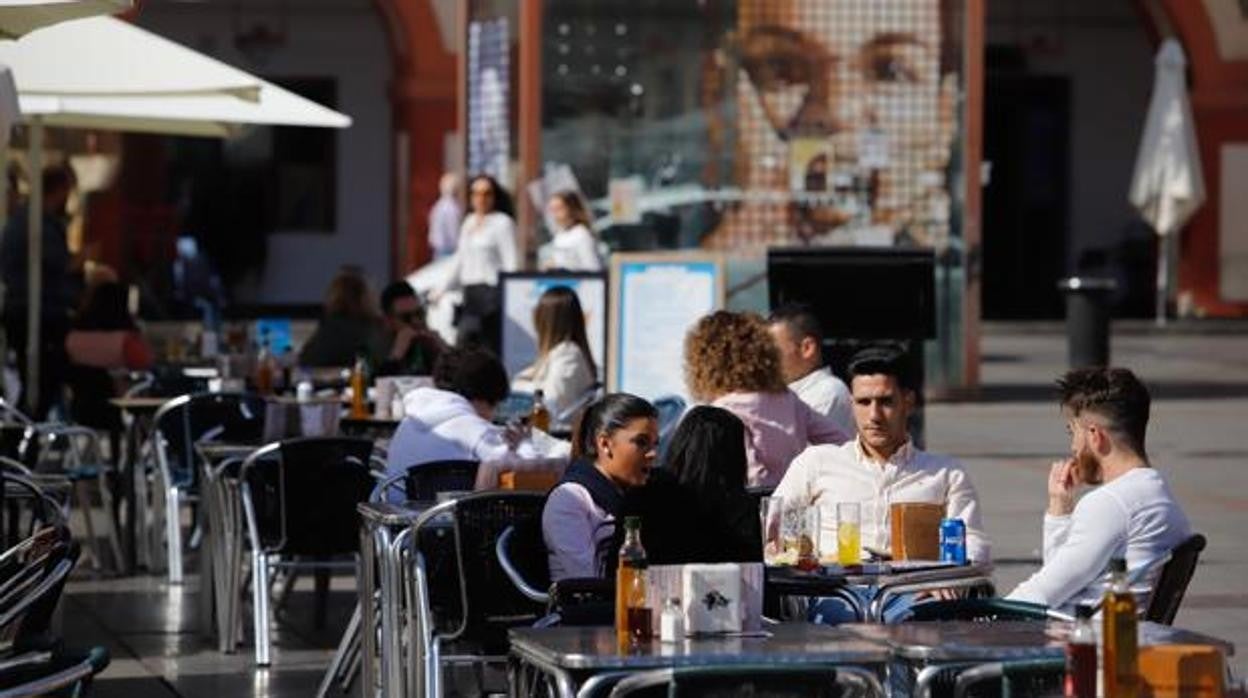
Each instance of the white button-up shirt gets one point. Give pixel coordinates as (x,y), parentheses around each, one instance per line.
(487,246)
(828,475)
(827,395)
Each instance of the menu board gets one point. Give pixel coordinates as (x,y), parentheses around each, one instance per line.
(655,299)
(521,292)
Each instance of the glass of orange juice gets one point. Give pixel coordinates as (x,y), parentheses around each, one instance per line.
(848,533)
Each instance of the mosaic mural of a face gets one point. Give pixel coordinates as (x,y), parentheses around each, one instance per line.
(845,123)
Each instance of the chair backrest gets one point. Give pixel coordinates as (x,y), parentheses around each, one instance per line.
(1025,677)
(1172,584)
(30,595)
(424,481)
(185,420)
(977,610)
(303,493)
(47,673)
(490,603)
(772,681)
(26,507)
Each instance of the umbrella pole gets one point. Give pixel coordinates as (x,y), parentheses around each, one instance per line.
(1163,278)
(34,265)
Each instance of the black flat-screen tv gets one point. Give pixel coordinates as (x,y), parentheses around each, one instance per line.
(858,292)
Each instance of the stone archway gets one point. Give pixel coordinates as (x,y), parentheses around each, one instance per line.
(423,98)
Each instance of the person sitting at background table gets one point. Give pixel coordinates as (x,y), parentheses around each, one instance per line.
(349,327)
(103,337)
(732,362)
(413,348)
(881,466)
(617,442)
(696,508)
(573,246)
(451,421)
(564,370)
(1132,515)
(799,338)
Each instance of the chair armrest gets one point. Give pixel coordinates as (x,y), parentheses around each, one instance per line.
(501,547)
(384,483)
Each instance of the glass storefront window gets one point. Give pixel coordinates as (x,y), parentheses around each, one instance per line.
(740,124)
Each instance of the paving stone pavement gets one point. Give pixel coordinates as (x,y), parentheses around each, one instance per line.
(1198,437)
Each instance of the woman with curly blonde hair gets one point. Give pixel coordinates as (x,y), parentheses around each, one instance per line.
(732,362)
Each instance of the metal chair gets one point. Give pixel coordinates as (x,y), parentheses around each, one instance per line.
(488,603)
(44,673)
(177,426)
(299,500)
(1031,677)
(983,610)
(422,482)
(75,452)
(769,680)
(32,587)
(1172,584)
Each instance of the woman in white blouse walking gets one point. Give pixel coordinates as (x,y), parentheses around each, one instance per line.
(573,247)
(487,246)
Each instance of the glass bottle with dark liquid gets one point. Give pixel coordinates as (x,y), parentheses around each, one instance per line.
(632,617)
(1122,662)
(1081,656)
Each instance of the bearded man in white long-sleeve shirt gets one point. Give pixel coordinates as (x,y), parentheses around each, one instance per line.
(1132,514)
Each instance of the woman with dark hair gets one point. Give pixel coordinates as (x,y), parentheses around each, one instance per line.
(617,440)
(573,245)
(350,326)
(487,246)
(564,370)
(696,508)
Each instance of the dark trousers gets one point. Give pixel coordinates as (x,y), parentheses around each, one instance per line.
(53,360)
(480,318)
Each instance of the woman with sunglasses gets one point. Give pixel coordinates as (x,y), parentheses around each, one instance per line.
(487,246)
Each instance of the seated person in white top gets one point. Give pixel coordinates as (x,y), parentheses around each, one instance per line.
(452,420)
(615,447)
(564,370)
(573,247)
(880,467)
(1132,514)
(800,341)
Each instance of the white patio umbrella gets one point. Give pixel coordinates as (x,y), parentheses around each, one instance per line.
(18,17)
(1168,187)
(137,81)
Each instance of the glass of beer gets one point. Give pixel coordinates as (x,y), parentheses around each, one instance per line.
(848,533)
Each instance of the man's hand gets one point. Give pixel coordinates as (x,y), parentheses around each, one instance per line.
(1062,488)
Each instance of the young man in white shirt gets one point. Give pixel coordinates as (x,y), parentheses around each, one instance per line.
(1132,514)
(880,467)
(799,338)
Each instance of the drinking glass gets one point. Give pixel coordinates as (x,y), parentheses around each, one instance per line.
(800,535)
(848,533)
(770,512)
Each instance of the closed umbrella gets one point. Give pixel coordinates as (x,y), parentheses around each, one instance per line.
(1167,187)
(154,86)
(19,17)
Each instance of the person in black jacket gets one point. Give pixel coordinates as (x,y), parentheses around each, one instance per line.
(696,508)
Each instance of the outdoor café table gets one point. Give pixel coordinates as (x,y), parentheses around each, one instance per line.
(578,661)
(380,522)
(887,579)
(926,647)
(214,558)
(133,478)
